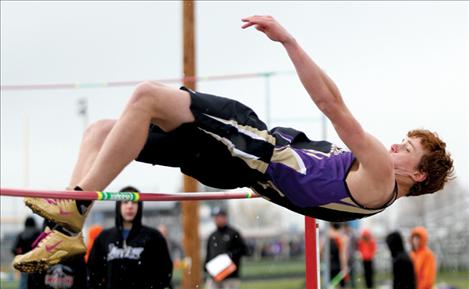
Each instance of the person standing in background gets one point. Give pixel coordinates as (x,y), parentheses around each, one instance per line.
(423,259)
(23,244)
(129,255)
(338,243)
(175,251)
(352,248)
(402,267)
(367,249)
(68,274)
(225,240)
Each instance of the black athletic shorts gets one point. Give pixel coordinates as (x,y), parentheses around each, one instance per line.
(227,146)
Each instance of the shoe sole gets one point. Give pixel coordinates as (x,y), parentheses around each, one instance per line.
(49,217)
(38,266)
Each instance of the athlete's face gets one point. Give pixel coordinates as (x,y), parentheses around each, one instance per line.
(129,211)
(406,157)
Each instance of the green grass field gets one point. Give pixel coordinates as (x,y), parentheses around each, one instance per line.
(458,280)
(289,274)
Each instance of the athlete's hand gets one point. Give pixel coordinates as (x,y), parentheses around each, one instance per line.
(269,26)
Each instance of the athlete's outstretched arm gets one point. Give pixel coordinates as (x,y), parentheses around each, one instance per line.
(325,94)
(322,90)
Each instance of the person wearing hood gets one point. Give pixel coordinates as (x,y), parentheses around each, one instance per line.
(130,255)
(423,259)
(367,249)
(402,267)
(23,244)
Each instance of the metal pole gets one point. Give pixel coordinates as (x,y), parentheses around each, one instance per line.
(323,127)
(267,98)
(26,150)
(327,244)
(311,260)
(83,111)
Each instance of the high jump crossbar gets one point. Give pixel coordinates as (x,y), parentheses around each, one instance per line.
(126,196)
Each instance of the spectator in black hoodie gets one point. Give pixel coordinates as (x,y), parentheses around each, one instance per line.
(402,267)
(23,244)
(130,255)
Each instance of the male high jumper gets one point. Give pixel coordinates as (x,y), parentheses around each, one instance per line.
(222,143)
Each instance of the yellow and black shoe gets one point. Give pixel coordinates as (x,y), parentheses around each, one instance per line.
(50,248)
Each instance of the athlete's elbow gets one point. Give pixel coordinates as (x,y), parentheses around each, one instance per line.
(329,106)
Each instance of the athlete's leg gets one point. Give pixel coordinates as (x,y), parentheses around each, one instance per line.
(165,106)
(70,214)
(92,141)
(107,147)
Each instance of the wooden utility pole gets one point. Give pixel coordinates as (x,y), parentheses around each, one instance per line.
(190,209)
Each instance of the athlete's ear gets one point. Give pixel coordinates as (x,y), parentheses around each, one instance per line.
(419,176)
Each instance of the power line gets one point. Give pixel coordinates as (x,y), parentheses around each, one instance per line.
(107,84)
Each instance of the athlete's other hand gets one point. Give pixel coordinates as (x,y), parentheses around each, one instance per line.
(269,26)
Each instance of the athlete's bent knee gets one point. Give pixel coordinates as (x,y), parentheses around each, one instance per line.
(143,92)
(144,87)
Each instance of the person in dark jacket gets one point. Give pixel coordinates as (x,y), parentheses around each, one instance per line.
(23,244)
(337,255)
(130,255)
(225,240)
(402,267)
(69,274)
(351,250)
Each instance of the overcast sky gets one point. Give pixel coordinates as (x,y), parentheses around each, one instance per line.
(399,66)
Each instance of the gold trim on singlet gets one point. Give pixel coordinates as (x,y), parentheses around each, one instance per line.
(290,158)
(317,154)
(251,160)
(349,209)
(247,130)
(271,185)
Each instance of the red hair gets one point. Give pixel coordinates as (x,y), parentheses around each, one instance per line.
(436,163)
